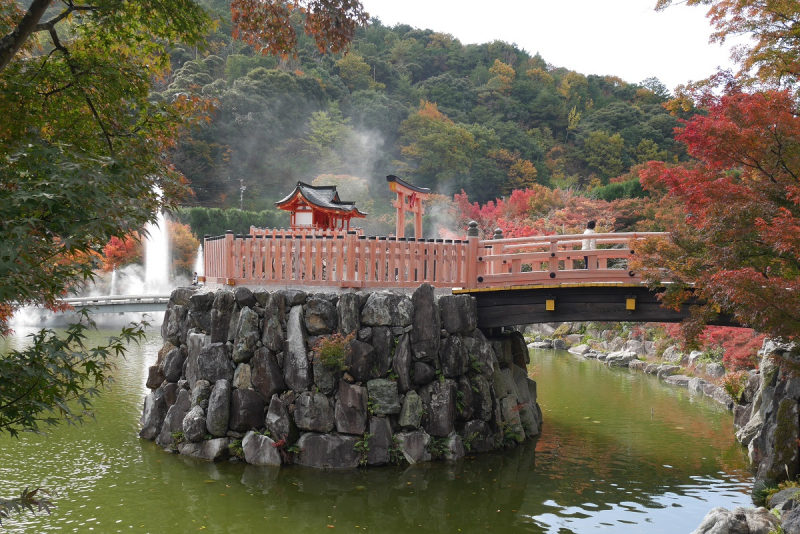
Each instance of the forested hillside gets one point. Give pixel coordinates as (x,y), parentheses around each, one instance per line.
(483,118)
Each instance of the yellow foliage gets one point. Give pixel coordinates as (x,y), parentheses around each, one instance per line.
(539,75)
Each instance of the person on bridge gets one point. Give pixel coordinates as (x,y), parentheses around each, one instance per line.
(194,279)
(589,244)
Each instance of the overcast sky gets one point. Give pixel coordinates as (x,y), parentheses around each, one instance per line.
(624,38)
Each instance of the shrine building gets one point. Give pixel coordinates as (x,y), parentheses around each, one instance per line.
(319,207)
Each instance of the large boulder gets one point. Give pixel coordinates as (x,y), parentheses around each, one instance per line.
(351,409)
(221,311)
(295,297)
(173,329)
(477,436)
(325,378)
(453,357)
(155,377)
(209,449)
(439,398)
(360,361)
(260,450)
(173,423)
(194,425)
(348,312)
(383,342)
(321,316)
(296,368)
(673,355)
(513,424)
(267,377)
(244,297)
(278,422)
(153,414)
(414,446)
(464,399)
(459,313)
(790,522)
(781,438)
(426,331)
(247,335)
(620,358)
(195,341)
(480,352)
(219,407)
(211,363)
(325,451)
(380,441)
(247,410)
(423,373)
(243,376)
(737,521)
(173,364)
(201,392)
(482,398)
(502,349)
(384,397)
(411,413)
(401,363)
(181,296)
(313,412)
(387,309)
(200,311)
(272,336)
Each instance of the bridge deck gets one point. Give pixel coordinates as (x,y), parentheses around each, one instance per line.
(546,303)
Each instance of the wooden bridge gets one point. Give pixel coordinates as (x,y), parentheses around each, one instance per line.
(349,260)
(515,281)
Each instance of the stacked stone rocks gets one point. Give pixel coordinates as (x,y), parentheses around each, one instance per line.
(421,381)
(767,415)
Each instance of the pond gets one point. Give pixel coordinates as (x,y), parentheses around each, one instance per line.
(620,452)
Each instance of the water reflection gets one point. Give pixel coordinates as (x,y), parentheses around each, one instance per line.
(619,452)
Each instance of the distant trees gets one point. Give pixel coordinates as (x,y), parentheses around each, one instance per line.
(266,122)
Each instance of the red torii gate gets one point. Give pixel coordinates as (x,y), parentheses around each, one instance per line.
(409,198)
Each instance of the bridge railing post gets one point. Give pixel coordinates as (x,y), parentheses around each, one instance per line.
(552,261)
(472,256)
(350,260)
(228,255)
(474,268)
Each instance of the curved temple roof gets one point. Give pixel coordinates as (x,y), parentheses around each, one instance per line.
(392,178)
(324,197)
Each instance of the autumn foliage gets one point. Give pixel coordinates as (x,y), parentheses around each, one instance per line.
(740,234)
(740,346)
(269,25)
(119,252)
(183,245)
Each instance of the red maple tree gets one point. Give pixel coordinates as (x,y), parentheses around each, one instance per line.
(739,240)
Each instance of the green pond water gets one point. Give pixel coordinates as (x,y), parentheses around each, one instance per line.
(619,453)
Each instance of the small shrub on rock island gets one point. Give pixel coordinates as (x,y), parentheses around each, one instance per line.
(236,449)
(331,351)
(362,448)
(734,383)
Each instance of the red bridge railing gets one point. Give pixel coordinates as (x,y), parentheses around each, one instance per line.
(352,260)
(557,259)
(347,260)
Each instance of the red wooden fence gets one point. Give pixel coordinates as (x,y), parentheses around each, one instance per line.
(342,261)
(352,260)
